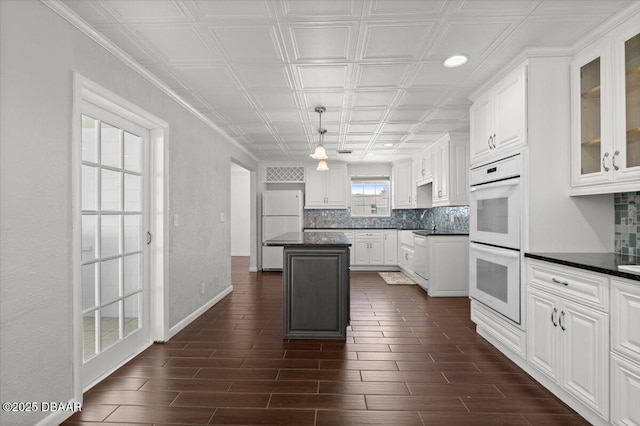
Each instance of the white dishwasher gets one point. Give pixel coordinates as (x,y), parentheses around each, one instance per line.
(420,256)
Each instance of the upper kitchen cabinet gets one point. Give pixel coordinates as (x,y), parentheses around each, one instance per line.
(605,90)
(326,190)
(404,185)
(424,164)
(499,118)
(450,156)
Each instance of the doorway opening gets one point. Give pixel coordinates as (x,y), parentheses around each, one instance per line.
(240,215)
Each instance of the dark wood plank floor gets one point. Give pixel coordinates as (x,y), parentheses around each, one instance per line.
(408,360)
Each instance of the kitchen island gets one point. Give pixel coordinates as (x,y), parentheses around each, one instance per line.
(315,276)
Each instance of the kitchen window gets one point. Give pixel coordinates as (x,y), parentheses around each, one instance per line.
(370,197)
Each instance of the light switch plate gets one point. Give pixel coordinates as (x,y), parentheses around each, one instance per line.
(221,217)
(176,220)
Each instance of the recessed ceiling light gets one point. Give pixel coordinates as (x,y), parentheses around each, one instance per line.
(455,61)
(388,144)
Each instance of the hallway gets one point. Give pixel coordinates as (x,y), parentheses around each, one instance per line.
(408,360)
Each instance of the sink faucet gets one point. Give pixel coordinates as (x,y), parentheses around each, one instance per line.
(422,215)
(433,224)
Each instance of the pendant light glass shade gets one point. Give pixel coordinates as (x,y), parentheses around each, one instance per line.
(322,166)
(319,153)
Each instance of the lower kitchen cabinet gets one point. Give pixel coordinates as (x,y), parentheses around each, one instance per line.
(448,266)
(625,391)
(567,340)
(369,248)
(625,353)
(390,246)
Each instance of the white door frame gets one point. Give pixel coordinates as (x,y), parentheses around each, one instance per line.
(85,90)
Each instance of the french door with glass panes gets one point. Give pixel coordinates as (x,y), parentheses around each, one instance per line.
(115,260)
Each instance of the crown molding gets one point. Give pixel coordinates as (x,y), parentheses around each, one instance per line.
(75,20)
(557,52)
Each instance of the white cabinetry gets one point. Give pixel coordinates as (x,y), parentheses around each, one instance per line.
(405,251)
(424,165)
(625,352)
(499,118)
(448,265)
(568,339)
(605,104)
(450,159)
(326,190)
(369,248)
(404,186)
(390,245)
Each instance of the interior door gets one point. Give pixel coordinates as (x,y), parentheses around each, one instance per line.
(115,255)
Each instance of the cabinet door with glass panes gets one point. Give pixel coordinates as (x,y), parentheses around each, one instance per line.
(591,118)
(605,88)
(626,152)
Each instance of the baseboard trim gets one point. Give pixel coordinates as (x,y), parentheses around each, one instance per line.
(189,319)
(253,269)
(243,254)
(374,268)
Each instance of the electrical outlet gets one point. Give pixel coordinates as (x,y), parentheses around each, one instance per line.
(202,288)
(452,218)
(176,220)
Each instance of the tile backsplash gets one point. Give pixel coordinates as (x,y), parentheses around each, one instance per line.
(445,218)
(627,225)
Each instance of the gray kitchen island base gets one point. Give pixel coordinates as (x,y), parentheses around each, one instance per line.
(316,292)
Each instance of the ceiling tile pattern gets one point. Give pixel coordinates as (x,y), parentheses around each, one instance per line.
(258,68)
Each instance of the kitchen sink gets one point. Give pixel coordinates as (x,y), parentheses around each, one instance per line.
(634,269)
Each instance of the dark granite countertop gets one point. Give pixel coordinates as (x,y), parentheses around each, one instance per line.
(350,228)
(604,263)
(325,239)
(438,232)
(423,232)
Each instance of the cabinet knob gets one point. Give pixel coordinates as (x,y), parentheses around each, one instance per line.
(606,169)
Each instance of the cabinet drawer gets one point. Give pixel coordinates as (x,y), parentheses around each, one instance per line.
(625,318)
(590,289)
(369,234)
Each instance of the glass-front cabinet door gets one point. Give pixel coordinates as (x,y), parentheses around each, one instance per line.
(591,118)
(590,123)
(605,113)
(626,155)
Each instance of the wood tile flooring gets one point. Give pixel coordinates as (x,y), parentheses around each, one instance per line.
(408,360)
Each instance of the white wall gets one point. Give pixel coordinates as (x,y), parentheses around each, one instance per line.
(240,210)
(39,51)
(558,222)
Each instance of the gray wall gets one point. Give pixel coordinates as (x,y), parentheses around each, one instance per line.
(39,51)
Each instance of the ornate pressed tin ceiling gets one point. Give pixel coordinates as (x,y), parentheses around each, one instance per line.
(258,68)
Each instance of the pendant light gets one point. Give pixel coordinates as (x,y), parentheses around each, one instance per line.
(320,153)
(322,166)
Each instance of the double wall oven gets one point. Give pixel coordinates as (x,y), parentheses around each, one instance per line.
(494,234)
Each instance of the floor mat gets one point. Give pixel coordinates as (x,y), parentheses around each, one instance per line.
(396,278)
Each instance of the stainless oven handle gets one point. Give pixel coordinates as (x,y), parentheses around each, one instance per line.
(508,182)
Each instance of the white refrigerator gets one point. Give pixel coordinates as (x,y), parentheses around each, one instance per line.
(281,212)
